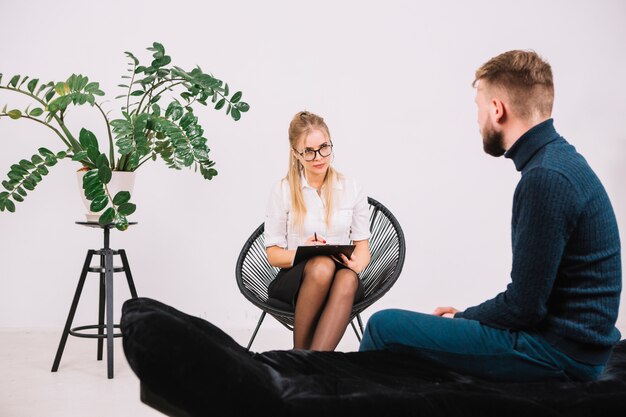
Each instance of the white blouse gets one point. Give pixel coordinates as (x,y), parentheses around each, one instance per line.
(349,221)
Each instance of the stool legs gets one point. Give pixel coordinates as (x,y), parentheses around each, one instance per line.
(70,316)
(108,276)
(129,276)
(105,302)
(102,293)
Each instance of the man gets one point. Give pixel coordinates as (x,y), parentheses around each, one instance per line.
(556,319)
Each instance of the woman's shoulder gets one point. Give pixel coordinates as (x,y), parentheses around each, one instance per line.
(280,189)
(348,183)
(280,185)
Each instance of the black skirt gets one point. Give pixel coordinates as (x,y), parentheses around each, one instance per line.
(283,291)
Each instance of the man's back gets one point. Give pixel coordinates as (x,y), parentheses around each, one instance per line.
(584,300)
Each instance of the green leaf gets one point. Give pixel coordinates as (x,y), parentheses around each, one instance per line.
(28,185)
(137,93)
(91,87)
(121,223)
(94,190)
(19,169)
(108,216)
(99,203)
(71,82)
(236,97)
(22,82)
(220,104)
(9,206)
(131,56)
(243,107)
(82,83)
(87,139)
(36,159)
(90,179)
(37,111)
(93,154)
(32,84)
(14,81)
(79,156)
(188,160)
(157,47)
(42,170)
(35,176)
(127,209)
(27,164)
(101,161)
(105,174)
(121,197)
(14,114)
(235,114)
(50,161)
(161,62)
(226,89)
(7,186)
(15,176)
(49,95)
(21,191)
(17,197)
(45,152)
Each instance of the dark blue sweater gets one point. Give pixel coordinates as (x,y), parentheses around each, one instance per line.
(566,276)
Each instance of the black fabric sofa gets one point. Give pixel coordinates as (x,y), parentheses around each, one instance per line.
(189,367)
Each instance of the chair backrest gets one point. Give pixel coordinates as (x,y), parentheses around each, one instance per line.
(387,248)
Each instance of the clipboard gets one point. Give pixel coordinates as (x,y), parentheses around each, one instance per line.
(306,252)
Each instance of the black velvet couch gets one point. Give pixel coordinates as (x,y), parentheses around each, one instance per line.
(189,367)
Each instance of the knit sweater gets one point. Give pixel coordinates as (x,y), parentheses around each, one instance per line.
(566,274)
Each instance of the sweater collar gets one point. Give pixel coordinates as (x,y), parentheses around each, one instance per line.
(530,142)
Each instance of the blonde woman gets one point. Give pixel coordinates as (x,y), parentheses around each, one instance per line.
(315,205)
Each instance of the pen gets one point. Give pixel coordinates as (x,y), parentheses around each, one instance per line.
(315,236)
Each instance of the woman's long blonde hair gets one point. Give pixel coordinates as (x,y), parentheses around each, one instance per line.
(301,125)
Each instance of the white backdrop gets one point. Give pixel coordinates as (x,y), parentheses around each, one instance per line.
(392,80)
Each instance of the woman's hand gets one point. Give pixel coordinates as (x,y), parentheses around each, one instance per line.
(315,240)
(351,262)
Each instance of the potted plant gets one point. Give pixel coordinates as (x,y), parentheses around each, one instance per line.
(157,121)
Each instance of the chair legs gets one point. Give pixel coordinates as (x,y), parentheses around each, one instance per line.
(358,334)
(256,330)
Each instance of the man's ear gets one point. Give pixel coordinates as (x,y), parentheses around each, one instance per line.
(499,110)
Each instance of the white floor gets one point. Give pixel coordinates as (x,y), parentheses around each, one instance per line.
(80,388)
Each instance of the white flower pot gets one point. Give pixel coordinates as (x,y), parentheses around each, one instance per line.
(120,181)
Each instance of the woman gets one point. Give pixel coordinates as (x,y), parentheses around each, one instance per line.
(315,205)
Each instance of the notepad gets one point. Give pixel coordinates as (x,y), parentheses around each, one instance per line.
(306,252)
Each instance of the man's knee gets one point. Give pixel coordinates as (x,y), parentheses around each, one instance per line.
(384,321)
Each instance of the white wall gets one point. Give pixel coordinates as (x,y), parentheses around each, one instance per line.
(393,81)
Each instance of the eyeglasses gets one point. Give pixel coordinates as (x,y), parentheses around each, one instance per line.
(309,154)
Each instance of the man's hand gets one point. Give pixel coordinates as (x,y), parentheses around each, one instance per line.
(448,312)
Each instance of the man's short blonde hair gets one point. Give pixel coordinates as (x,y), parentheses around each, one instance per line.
(525,78)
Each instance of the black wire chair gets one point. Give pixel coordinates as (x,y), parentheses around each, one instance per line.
(387,247)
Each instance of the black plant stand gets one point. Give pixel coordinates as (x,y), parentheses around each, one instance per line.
(106,271)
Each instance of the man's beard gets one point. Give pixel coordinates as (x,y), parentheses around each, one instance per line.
(493,142)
